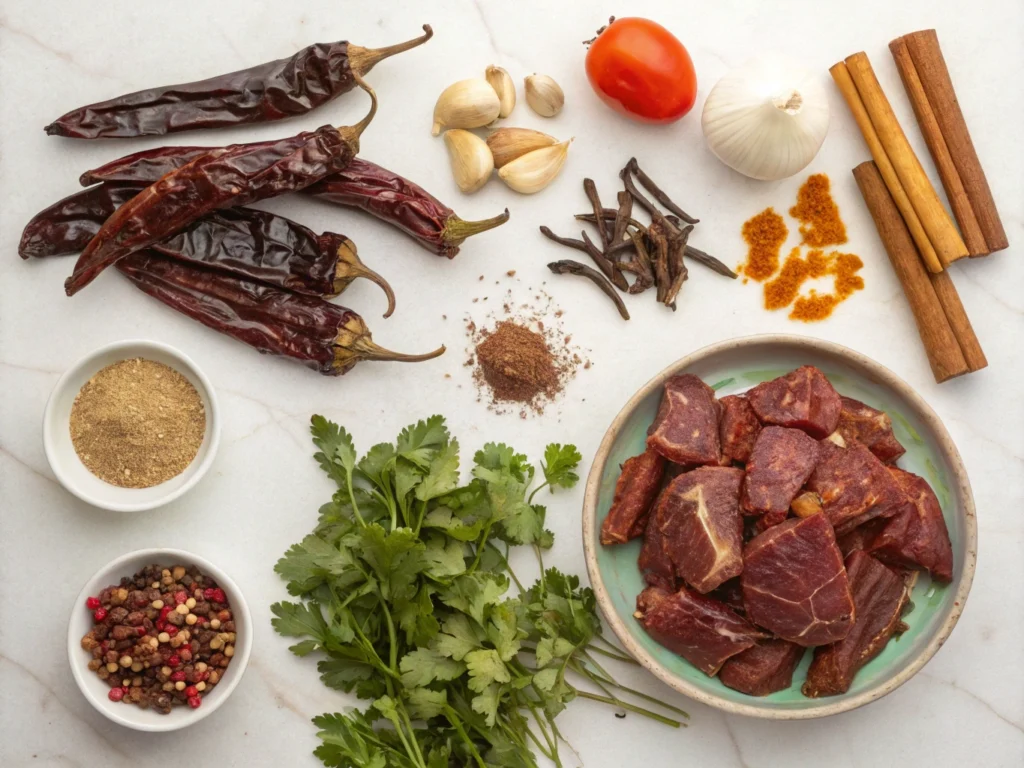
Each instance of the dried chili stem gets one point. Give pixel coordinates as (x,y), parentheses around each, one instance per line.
(569,267)
(590,188)
(354,344)
(659,195)
(362,60)
(604,263)
(702,257)
(456,230)
(350,267)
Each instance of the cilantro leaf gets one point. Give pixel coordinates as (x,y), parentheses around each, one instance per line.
(502,630)
(299,620)
(485,667)
(396,557)
(459,637)
(344,674)
(375,464)
(442,475)
(443,557)
(501,457)
(345,742)
(415,617)
(486,703)
(419,442)
(312,561)
(337,454)
(425,703)
(560,462)
(546,679)
(472,592)
(425,665)
(445,519)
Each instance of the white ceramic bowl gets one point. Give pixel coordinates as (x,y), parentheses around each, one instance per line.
(95,690)
(69,469)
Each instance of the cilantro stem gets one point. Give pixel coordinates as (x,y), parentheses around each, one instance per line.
(392,638)
(540,560)
(608,680)
(457,724)
(630,707)
(552,754)
(504,560)
(400,706)
(481,546)
(352,498)
(536,490)
(616,656)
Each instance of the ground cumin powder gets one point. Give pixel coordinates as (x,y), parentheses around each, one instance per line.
(517,363)
(137,423)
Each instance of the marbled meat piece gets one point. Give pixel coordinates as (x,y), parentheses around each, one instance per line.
(779,465)
(879,594)
(738,428)
(794,583)
(686,428)
(860,537)
(765,668)
(854,486)
(730,593)
(802,399)
(701,630)
(767,520)
(871,427)
(696,530)
(916,537)
(635,492)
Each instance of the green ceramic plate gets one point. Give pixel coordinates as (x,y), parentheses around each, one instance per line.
(732,367)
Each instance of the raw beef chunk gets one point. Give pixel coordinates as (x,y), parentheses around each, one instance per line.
(738,428)
(765,668)
(916,537)
(779,465)
(879,594)
(701,630)
(794,584)
(696,530)
(766,521)
(635,491)
(870,426)
(854,486)
(802,399)
(686,428)
(860,537)
(730,593)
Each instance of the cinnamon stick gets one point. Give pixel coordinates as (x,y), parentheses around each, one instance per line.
(926,120)
(940,344)
(938,86)
(958,321)
(936,222)
(841,76)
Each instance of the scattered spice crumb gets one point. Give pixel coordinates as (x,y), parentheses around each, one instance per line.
(444,317)
(481,277)
(447,375)
(511,273)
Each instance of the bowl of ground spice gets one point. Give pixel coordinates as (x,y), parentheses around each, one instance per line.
(132,426)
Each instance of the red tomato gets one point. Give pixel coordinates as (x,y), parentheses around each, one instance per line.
(640,69)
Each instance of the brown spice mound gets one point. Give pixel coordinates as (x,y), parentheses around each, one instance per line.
(765,233)
(137,423)
(517,363)
(818,214)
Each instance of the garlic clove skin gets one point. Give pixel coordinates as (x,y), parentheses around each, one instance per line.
(535,170)
(507,144)
(766,119)
(471,160)
(503,85)
(544,95)
(466,104)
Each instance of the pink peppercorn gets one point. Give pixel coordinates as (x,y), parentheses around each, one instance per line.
(115,694)
(174,661)
(191,691)
(171,630)
(180,597)
(178,677)
(194,701)
(164,611)
(92,603)
(99,614)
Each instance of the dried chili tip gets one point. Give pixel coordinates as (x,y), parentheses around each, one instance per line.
(362,60)
(350,267)
(354,344)
(456,230)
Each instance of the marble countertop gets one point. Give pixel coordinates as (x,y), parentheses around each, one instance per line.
(965,708)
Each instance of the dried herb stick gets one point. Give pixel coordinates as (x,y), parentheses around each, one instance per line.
(224,178)
(323,336)
(272,91)
(659,195)
(569,267)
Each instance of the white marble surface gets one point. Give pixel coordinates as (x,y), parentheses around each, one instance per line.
(965,708)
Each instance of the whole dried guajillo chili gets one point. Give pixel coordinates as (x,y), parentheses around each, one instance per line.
(271,91)
(245,242)
(223,178)
(323,336)
(362,184)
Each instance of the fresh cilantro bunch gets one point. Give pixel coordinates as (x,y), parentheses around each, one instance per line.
(403,589)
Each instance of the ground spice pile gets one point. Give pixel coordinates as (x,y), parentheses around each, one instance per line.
(820,226)
(137,423)
(517,363)
(818,213)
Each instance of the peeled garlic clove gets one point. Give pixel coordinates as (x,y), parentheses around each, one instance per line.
(466,104)
(766,119)
(507,144)
(501,82)
(470,158)
(544,95)
(535,170)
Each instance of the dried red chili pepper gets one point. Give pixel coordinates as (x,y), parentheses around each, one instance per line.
(223,178)
(323,336)
(245,242)
(263,93)
(362,184)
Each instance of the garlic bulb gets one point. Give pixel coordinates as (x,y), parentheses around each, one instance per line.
(766,119)
(471,160)
(501,82)
(509,143)
(535,170)
(466,104)
(544,95)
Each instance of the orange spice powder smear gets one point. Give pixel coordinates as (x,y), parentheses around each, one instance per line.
(844,268)
(818,214)
(765,233)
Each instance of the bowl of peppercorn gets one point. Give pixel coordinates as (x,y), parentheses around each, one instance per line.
(158,639)
(131,426)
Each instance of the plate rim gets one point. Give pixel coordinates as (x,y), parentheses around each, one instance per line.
(826,708)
